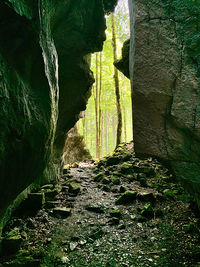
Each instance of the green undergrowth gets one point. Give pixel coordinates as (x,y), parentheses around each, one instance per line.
(136,214)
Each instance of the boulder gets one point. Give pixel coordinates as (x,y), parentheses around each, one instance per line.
(74,188)
(164,72)
(123,63)
(127,168)
(98,177)
(115,180)
(123,189)
(113,221)
(115,213)
(147,211)
(34,201)
(51,193)
(11,242)
(30,205)
(105,180)
(97,208)
(106,188)
(146,196)
(61,212)
(143,182)
(126,198)
(113,161)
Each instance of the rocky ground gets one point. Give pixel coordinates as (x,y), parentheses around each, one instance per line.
(121,211)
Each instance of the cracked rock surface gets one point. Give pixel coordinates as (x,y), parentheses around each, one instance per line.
(165,40)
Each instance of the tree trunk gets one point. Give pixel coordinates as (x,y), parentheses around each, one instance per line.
(114,132)
(100,111)
(102,132)
(83,122)
(106,131)
(96,99)
(125,130)
(91,127)
(116,80)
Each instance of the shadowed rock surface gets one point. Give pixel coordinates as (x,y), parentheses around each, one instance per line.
(165,79)
(123,63)
(44,71)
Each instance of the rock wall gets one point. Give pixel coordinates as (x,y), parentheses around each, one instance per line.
(45,82)
(75,149)
(165,54)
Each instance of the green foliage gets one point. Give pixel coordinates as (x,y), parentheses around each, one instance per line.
(108,100)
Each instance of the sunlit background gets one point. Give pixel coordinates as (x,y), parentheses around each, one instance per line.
(103,68)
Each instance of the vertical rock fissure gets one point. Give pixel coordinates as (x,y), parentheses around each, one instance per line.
(51,64)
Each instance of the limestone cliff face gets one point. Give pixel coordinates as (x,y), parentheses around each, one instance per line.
(165,54)
(45,82)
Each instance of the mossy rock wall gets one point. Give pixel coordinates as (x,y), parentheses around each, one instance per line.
(165,75)
(45,82)
(75,149)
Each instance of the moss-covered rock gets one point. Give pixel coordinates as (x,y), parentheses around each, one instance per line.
(30,205)
(147,211)
(105,180)
(51,193)
(123,188)
(98,177)
(74,188)
(168,193)
(190,227)
(95,208)
(113,161)
(106,188)
(114,190)
(126,198)
(115,180)
(146,196)
(115,213)
(148,171)
(46,187)
(12,242)
(113,221)
(51,204)
(74,149)
(101,162)
(29,257)
(143,182)
(127,168)
(61,212)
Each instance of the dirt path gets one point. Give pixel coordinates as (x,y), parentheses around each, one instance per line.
(110,215)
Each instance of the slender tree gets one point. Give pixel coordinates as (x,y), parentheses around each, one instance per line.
(116,80)
(97,102)
(106,131)
(100,109)
(102,132)
(84,129)
(125,124)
